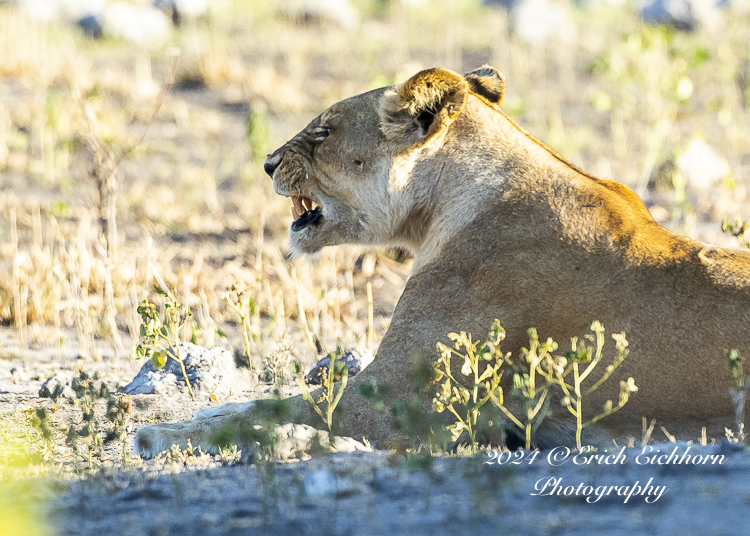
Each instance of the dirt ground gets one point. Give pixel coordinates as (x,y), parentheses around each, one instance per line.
(195,210)
(374,493)
(351,494)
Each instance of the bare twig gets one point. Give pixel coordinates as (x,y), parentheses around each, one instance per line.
(370,316)
(174,54)
(258,275)
(106,163)
(301,310)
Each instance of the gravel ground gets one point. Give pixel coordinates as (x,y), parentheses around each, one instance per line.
(374,493)
(367,493)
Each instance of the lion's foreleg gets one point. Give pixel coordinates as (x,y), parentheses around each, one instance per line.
(246,424)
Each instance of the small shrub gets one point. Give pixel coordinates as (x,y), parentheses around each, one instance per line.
(556,371)
(89,393)
(481,364)
(275,365)
(336,370)
(534,376)
(162,338)
(243,307)
(425,431)
(734,363)
(42,421)
(738,229)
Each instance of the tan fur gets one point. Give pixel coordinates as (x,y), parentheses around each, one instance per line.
(502,227)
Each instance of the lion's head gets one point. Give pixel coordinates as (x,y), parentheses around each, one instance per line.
(352,172)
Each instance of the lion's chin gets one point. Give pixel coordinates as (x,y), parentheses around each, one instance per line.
(307,241)
(335,226)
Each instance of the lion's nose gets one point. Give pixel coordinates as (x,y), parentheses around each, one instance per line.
(271,163)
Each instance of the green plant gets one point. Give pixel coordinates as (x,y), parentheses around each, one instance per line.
(336,370)
(89,393)
(556,372)
(734,362)
(413,416)
(481,364)
(534,397)
(42,421)
(244,307)
(119,409)
(162,339)
(737,228)
(257,131)
(533,378)
(274,366)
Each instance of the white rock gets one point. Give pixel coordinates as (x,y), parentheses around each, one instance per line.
(701,166)
(144,26)
(211,371)
(58,386)
(44,10)
(184,9)
(684,14)
(542,22)
(49,10)
(340,12)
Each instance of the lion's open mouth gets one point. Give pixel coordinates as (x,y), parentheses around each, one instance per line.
(304,214)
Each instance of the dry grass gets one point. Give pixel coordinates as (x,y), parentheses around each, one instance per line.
(194,205)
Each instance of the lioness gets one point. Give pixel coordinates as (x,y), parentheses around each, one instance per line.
(502,227)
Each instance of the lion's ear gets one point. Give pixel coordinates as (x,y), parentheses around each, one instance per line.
(487,82)
(427,102)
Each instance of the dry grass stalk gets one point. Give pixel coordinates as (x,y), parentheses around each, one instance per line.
(301,313)
(258,275)
(370,316)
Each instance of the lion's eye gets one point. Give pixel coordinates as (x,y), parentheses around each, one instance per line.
(321,133)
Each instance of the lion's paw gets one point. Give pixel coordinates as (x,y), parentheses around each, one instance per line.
(288,440)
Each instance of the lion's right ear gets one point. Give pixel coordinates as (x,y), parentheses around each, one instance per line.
(487,82)
(426,103)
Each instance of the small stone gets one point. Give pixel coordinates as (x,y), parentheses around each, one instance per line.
(355,359)
(701,165)
(211,371)
(17,375)
(58,386)
(339,12)
(91,26)
(684,15)
(180,10)
(144,26)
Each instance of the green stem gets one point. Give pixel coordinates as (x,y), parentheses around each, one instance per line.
(618,361)
(577,384)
